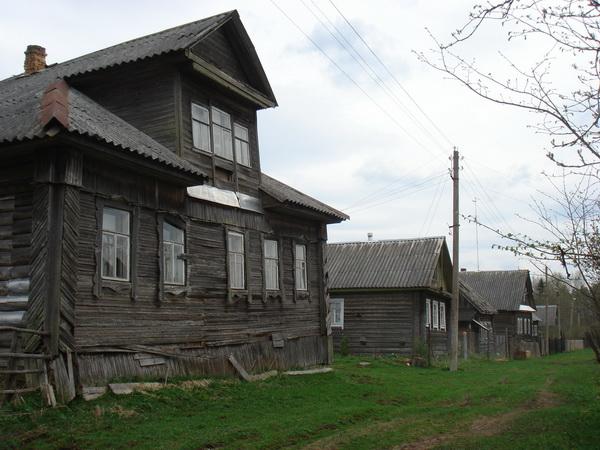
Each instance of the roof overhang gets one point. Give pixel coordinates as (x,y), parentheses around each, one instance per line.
(225,80)
(526,308)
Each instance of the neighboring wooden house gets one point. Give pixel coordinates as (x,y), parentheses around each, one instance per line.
(553,315)
(475,318)
(390,296)
(511,293)
(138,234)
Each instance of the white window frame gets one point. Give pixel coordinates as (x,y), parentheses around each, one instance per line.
(268,266)
(443,316)
(520,325)
(427,313)
(236,259)
(337,303)
(115,236)
(300,268)
(172,246)
(215,126)
(436,317)
(240,144)
(202,123)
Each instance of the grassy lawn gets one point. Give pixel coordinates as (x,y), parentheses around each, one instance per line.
(553,402)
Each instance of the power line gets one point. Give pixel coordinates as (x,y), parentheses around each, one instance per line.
(354,82)
(368,69)
(432,209)
(391,74)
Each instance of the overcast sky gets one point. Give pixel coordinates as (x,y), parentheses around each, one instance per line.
(355,148)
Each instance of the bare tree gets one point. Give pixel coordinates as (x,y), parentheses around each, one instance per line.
(561,87)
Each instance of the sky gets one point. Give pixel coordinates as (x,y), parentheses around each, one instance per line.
(337,135)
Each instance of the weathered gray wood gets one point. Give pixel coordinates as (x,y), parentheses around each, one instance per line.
(308,371)
(239,368)
(65,387)
(93,392)
(24,355)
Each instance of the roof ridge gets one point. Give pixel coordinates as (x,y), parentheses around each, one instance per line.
(379,241)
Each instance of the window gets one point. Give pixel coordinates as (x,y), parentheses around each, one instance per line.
(427,313)
(300,265)
(173,249)
(442,316)
(115,244)
(436,317)
(519,325)
(235,247)
(242,150)
(200,127)
(221,129)
(271,264)
(337,312)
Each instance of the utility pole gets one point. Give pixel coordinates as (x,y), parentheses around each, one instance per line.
(455,266)
(546,336)
(476,232)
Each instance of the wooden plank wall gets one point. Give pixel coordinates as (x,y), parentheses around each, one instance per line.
(16,198)
(200,315)
(377,323)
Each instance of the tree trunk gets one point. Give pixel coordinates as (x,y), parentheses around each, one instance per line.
(593,336)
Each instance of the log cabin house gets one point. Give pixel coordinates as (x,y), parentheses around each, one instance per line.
(390,296)
(510,292)
(475,321)
(138,235)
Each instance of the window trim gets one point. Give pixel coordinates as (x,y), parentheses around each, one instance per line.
(192,120)
(127,279)
(247,128)
(306,288)
(435,315)
(228,262)
(180,225)
(278,271)
(442,309)
(333,302)
(427,313)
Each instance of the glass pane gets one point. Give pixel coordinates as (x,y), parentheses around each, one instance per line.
(115,220)
(222,142)
(300,252)
(172,233)
(221,118)
(271,274)
(242,152)
(270,249)
(122,263)
(201,135)
(200,113)
(179,269)
(240,132)
(236,270)
(168,262)
(236,242)
(108,255)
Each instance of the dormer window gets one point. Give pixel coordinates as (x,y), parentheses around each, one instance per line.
(221,129)
(227,136)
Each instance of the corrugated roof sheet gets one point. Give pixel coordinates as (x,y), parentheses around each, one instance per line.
(552,314)
(287,194)
(505,290)
(402,263)
(476,300)
(20,96)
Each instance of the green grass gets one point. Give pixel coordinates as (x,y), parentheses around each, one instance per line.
(383,405)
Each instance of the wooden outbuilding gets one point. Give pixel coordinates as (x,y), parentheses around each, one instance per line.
(510,293)
(138,234)
(390,296)
(476,322)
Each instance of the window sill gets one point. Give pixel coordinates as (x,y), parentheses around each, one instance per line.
(302,295)
(116,286)
(273,295)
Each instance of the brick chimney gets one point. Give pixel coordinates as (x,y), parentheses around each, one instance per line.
(35,59)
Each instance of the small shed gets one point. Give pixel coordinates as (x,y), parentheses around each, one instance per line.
(390,296)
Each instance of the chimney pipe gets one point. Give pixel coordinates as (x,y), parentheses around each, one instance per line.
(35,59)
(370,237)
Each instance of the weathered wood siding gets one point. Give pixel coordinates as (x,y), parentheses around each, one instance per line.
(387,322)
(204,317)
(16,199)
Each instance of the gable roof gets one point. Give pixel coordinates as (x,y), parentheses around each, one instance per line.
(505,290)
(477,301)
(395,264)
(552,314)
(21,96)
(288,195)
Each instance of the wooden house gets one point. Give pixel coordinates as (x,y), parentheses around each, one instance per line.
(390,296)
(475,321)
(138,235)
(510,293)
